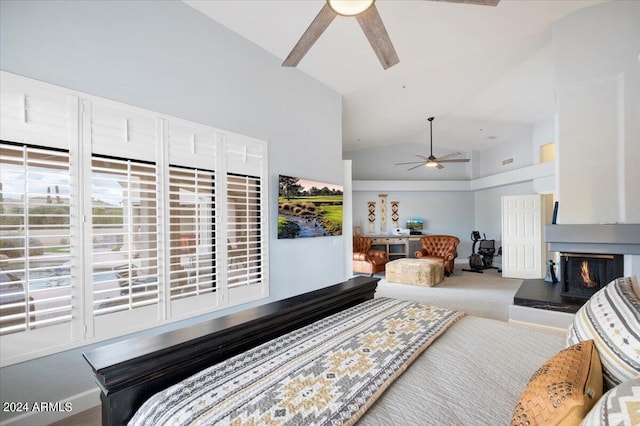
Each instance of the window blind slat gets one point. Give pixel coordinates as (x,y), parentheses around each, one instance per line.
(125,249)
(243,230)
(34,243)
(191,211)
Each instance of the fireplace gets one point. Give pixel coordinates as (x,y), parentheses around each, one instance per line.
(584,274)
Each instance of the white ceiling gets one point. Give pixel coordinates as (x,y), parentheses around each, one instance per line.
(486,73)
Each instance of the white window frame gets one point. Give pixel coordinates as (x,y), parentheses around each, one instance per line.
(132,133)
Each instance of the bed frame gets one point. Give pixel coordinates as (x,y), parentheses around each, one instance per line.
(131,371)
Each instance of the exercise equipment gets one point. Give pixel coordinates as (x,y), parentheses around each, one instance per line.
(482,258)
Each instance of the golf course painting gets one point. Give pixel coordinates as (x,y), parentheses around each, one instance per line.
(307,208)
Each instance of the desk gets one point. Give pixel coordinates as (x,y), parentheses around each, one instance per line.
(396,246)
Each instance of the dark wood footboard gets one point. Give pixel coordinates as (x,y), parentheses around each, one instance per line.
(130,371)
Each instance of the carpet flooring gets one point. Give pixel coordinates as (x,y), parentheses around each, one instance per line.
(485,295)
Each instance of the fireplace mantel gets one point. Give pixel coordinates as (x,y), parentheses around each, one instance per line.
(618,238)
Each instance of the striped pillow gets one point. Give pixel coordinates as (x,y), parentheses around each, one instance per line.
(619,406)
(611,317)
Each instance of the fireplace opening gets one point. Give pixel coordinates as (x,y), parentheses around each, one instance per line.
(584,274)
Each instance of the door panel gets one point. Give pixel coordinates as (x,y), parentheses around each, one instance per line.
(522,246)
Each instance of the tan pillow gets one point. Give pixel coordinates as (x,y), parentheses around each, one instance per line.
(563,390)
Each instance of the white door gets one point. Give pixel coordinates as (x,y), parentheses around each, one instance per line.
(522,246)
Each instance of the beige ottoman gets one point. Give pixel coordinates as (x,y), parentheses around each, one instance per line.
(423,272)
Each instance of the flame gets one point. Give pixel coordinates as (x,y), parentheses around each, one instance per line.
(584,272)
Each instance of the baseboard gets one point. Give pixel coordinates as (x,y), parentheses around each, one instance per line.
(53,412)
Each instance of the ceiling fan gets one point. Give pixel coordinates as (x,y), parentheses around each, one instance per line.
(431,160)
(367,15)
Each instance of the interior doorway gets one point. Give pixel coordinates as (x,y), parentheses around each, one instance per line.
(524,251)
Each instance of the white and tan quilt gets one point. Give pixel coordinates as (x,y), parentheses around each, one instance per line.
(328,373)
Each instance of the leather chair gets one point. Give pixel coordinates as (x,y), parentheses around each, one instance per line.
(365,259)
(439,247)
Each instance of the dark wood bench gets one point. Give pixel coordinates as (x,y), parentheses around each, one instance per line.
(131,371)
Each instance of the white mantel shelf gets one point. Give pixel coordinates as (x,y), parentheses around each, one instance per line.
(614,238)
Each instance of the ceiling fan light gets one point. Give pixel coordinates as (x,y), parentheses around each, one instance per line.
(431,163)
(349,7)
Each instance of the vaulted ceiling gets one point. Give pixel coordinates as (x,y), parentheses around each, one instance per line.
(486,73)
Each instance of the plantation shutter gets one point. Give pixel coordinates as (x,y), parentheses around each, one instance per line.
(118,131)
(192,145)
(41,116)
(113,217)
(193,256)
(192,232)
(124,210)
(244,231)
(125,235)
(35,279)
(246,212)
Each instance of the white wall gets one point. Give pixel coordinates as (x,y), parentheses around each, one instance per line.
(488,208)
(456,206)
(167,57)
(380,163)
(449,213)
(543,132)
(489,161)
(598,83)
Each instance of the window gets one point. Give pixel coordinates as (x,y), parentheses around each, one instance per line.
(547,152)
(114,219)
(125,235)
(192,232)
(34,238)
(243,230)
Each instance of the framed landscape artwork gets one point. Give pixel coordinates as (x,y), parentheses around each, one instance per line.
(307,208)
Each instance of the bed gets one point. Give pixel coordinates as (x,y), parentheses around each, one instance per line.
(472,372)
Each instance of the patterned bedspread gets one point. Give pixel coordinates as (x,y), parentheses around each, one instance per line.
(328,373)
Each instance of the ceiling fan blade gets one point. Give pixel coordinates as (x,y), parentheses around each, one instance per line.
(478,2)
(455,160)
(412,162)
(445,157)
(431,161)
(310,36)
(373,27)
(419,165)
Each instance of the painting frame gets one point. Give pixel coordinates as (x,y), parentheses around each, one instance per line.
(309,208)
